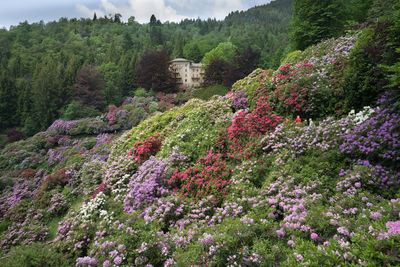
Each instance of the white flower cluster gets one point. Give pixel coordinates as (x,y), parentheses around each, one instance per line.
(107,218)
(361,116)
(90,209)
(120,188)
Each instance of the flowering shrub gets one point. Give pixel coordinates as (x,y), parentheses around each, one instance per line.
(91,210)
(58,204)
(377,138)
(101,188)
(28,173)
(166,101)
(143,150)
(58,139)
(60,178)
(147,184)
(246,128)
(239,102)
(196,132)
(210,176)
(60,127)
(290,94)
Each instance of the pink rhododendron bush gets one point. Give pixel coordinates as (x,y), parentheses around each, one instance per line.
(233,181)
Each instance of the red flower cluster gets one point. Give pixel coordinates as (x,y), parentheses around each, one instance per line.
(210,176)
(101,188)
(111,115)
(246,128)
(289,95)
(28,173)
(284,76)
(143,150)
(60,177)
(166,101)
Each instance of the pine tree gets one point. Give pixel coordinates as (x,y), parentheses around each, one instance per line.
(127,74)
(46,93)
(8,100)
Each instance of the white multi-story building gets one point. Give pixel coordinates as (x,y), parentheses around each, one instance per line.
(187,72)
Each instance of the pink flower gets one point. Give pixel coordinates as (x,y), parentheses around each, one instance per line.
(375,215)
(280,232)
(394,228)
(314,236)
(291,243)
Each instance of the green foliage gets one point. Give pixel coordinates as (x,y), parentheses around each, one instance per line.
(112,91)
(225,51)
(76,110)
(197,132)
(141,92)
(255,85)
(365,78)
(192,51)
(292,58)
(158,123)
(314,21)
(205,93)
(37,254)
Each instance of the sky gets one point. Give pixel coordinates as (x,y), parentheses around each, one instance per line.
(12,12)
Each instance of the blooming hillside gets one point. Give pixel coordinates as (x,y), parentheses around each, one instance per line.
(233,181)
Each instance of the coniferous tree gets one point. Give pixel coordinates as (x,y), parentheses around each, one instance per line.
(46,93)
(8,100)
(127,78)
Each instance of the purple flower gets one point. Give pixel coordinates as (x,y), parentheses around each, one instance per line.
(394,227)
(375,215)
(118,260)
(86,261)
(207,239)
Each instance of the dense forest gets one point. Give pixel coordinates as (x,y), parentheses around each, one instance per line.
(294,165)
(40,61)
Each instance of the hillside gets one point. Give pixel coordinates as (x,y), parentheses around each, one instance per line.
(234,180)
(41,60)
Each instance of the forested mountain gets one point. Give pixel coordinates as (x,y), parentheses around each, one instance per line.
(40,61)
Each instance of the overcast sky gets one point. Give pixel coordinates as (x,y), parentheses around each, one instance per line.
(12,12)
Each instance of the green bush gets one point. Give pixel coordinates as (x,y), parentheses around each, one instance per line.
(205,93)
(76,110)
(141,92)
(365,78)
(37,254)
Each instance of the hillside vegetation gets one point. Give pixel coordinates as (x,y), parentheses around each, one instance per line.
(297,166)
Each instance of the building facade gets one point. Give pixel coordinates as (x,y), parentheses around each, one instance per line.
(187,72)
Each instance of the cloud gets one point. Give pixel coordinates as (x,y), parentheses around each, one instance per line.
(84,10)
(222,7)
(140,9)
(143,9)
(167,10)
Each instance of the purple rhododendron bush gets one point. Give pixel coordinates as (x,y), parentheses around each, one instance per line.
(279,172)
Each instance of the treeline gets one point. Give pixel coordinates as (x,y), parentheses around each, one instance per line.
(44,67)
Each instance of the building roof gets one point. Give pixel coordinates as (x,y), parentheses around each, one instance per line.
(179,59)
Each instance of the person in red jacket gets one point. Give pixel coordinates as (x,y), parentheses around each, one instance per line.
(298,120)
